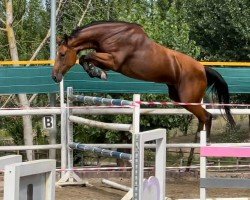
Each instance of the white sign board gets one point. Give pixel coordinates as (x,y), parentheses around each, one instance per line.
(48,122)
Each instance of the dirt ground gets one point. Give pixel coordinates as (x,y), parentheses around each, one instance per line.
(175,188)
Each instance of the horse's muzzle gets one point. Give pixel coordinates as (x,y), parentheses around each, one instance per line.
(57,77)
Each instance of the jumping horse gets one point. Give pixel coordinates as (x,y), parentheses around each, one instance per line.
(125,48)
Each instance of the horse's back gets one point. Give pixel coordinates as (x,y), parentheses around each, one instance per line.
(189,65)
(138,56)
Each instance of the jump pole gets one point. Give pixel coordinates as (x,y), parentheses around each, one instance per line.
(103,152)
(99,100)
(116,185)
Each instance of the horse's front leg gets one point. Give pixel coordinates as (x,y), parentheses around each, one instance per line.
(106,61)
(91,69)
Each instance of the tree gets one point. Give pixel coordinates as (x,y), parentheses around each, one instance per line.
(221,28)
(27,122)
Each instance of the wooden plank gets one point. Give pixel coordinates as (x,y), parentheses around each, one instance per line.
(212,151)
(225,183)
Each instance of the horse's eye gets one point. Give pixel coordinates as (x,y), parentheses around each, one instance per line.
(62,55)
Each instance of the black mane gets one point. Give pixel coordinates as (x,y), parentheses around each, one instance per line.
(75,32)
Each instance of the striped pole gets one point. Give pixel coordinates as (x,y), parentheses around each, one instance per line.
(103,152)
(99,100)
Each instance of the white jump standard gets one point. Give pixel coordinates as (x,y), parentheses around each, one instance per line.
(154,187)
(33,180)
(70,177)
(7,160)
(151,189)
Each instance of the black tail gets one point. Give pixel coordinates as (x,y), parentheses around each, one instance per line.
(220,88)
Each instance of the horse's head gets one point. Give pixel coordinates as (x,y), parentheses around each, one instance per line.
(65,59)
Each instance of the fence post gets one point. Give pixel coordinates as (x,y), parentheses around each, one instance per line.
(203,163)
(137,172)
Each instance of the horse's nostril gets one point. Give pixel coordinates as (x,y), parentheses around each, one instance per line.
(54,78)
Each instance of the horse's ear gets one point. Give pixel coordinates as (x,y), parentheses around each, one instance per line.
(65,38)
(59,40)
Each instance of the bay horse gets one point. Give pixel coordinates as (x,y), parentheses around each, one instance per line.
(125,48)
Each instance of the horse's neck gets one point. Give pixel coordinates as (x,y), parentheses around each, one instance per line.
(89,37)
(82,41)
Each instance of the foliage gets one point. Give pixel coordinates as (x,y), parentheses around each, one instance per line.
(221,28)
(241,98)
(14,127)
(233,135)
(31,23)
(163,25)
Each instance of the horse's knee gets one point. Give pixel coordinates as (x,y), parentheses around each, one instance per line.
(93,71)
(82,59)
(86,66)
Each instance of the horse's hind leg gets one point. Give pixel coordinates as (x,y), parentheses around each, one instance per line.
(198,111)
(203,116)
(195,94)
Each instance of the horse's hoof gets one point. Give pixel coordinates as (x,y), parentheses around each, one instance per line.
(104,76)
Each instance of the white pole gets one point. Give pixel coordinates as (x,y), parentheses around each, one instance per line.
(203,163)
(64,148)
(62,93)
(136,172)
(116,185)
(160,164)
(69,125)
(32,147)
(103,125)
(203,160)
(52,96)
